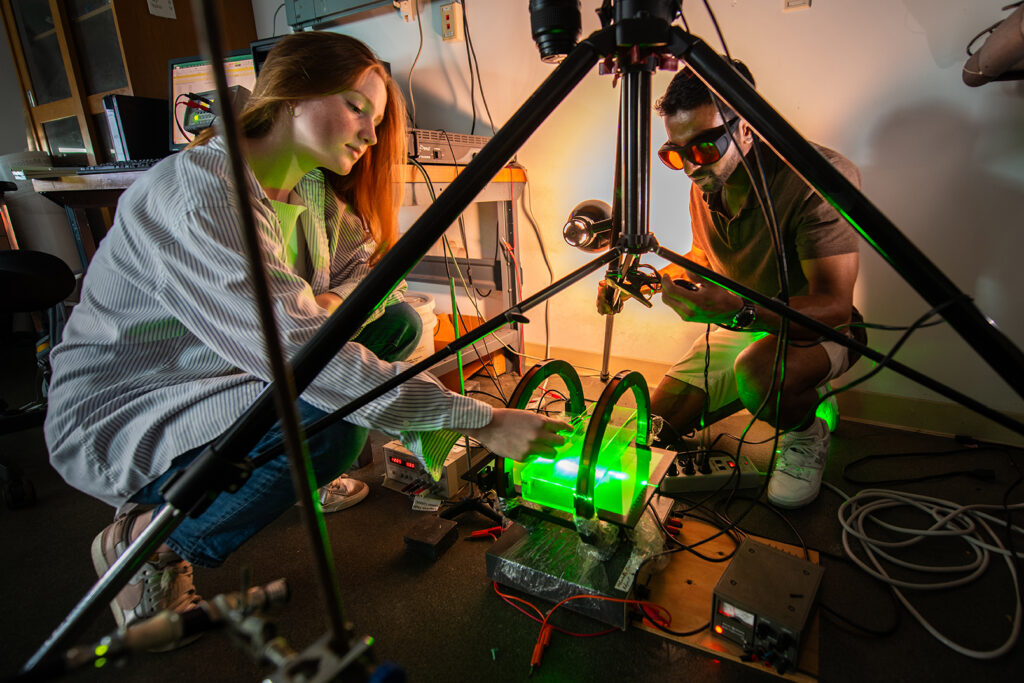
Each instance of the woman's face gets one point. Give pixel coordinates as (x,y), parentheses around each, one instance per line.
(334,131)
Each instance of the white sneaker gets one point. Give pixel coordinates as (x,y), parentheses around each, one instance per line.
(164,582)
(343,492)
(799,465)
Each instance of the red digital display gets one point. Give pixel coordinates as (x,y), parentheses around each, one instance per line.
(404,463)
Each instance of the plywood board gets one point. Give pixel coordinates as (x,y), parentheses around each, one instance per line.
(685,588)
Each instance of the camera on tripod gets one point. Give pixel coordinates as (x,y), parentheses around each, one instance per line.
(556,24)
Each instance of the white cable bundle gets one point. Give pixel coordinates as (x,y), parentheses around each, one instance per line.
(968,522)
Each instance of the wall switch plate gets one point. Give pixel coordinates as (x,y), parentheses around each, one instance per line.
(790,5)
(451,22)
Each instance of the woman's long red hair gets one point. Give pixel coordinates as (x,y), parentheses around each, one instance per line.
(313,64)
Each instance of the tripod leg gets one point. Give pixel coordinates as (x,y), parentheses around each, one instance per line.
(469,338)
(834,335)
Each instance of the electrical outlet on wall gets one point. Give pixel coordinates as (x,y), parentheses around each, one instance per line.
(405,7)
(451,22)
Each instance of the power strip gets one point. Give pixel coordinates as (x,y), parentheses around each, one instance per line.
(722,476)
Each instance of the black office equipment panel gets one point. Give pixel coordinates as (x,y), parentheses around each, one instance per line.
(137,126)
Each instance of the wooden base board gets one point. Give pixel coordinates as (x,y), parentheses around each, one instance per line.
(686,586)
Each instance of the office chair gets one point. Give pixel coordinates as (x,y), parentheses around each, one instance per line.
(31,281)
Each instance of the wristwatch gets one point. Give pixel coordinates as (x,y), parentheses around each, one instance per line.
(745,317)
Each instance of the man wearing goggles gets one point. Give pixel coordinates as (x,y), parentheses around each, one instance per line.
(732,236)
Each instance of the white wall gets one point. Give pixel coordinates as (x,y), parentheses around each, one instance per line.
(878,80)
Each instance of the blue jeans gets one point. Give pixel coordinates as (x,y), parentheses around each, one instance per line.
(233,518)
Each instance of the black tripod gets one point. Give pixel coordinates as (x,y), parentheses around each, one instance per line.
(635,23)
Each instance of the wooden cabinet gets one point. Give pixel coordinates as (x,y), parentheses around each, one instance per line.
(70,53)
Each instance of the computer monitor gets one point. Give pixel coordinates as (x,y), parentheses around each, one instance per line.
(261,49)
(193,75)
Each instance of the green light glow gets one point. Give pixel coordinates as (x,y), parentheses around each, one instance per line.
(621,472)
(828,410)
(101,650)
(100,663)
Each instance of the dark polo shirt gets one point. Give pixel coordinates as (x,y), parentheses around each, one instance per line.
(741,247)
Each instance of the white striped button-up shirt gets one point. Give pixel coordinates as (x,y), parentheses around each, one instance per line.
(165,350)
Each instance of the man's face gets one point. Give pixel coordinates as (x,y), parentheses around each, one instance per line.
(684,127)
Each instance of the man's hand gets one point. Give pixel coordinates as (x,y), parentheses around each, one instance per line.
(515,433)
(707,303)
(609,299)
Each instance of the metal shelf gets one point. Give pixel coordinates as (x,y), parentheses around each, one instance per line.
(492,343)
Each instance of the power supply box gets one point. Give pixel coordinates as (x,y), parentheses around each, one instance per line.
(763,600)
(403,472)
(441,147)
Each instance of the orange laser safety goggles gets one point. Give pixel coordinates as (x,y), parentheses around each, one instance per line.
(706,148)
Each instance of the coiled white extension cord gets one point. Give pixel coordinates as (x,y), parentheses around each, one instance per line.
(968,522)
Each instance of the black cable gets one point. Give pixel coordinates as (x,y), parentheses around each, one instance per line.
(690,548)
(718,30)
(778,513)
(892,328)
(870,326)
(462,223)
(881,364)
(273,28)
(842,619)
(986,475)
(892,352)
(459,318)
(471,51)
(456,316)
(472,82)
(411,111)
(768,211)
(478,391)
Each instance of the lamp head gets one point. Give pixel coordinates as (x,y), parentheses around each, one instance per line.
(589,226)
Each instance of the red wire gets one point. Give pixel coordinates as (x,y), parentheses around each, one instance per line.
(544,624)
(509,598)
(544,636)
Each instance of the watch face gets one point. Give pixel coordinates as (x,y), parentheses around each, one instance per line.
(745,317)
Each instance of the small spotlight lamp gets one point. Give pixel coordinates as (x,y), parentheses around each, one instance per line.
(589,227)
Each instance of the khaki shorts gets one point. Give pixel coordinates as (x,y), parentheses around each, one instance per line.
(725,346)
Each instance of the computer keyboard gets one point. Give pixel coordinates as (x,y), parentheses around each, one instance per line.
(118,166)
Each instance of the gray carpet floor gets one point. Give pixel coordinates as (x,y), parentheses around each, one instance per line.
(441,620)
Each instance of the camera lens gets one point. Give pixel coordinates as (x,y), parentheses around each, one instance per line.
(556,27)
